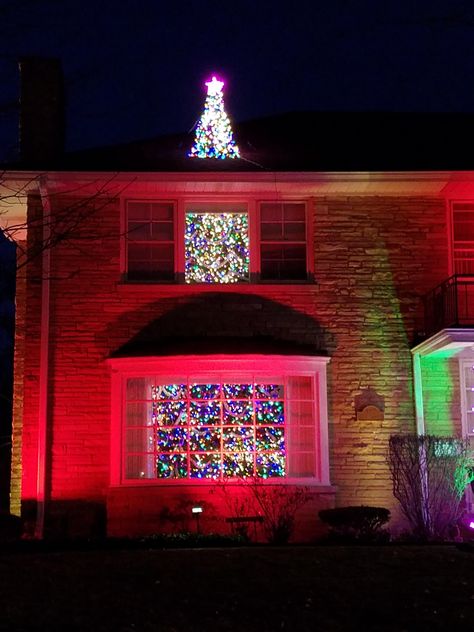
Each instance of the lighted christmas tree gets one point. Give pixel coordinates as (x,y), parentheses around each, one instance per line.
(214,138)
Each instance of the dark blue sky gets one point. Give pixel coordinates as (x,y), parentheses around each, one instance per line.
(135,69)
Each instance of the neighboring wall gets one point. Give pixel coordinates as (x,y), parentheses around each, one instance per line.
(374,258)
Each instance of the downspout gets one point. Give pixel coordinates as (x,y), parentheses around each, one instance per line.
(43,409)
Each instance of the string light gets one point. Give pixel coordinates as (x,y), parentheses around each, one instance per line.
(216,248)
(214,137)
(206,431)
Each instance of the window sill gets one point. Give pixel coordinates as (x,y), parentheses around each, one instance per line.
(190,288)
(322,488)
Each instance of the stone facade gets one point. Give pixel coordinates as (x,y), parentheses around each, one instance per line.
(375,256)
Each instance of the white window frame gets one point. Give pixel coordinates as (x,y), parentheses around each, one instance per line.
(467,415)
(467,418)
(239,366)
(252,206)
(452,259)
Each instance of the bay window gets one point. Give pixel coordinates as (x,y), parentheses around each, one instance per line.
(185,419)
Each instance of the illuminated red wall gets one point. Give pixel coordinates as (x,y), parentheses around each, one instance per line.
(374,257)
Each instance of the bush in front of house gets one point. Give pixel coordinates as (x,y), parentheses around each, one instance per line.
(357,524)
(430,474)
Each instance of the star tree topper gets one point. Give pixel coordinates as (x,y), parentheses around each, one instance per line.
(214,137)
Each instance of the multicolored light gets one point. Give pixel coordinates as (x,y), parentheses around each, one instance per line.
(216,248)
(206,431)
(214,137)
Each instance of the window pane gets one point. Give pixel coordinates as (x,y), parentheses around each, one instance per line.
(140,440)
(239,464)
(138,414)
(270,465)
(294,213)
(237,413)
(302,465)
(138,231)
(271,232)
(270,438)
(172,440)
(162,231)
(238,439)
(138,388)
(161,211)
(294,231)
(205,391)
(171,466)
(464,231)
(237,391)
(139,466)
(271,212)
(139,252)
(208,413)
(269,413)
(300,387)
(205,466)
(205,439)
(138,211)
(169,413)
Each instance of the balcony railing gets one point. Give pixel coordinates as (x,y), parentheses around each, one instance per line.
(450,304)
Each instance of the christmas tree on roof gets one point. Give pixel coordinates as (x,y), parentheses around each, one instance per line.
(214,137)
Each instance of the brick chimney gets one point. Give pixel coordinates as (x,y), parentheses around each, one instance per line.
(42,115)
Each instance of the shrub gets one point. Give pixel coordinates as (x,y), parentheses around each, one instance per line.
(275,504)
(429,475)
(278,505)
(356,523)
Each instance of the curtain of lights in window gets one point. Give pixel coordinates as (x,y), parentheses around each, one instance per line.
(216,248)
(213,431)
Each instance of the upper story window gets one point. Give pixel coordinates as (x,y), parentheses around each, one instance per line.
(150,241)
(463,237)
(217,243)
(283,240)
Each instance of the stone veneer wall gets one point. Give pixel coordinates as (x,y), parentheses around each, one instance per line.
(374,258)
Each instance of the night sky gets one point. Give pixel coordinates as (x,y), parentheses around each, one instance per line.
(135,69)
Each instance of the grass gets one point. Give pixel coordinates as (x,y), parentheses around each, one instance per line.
(412,588)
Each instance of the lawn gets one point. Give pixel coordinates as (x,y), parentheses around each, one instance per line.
(320,588)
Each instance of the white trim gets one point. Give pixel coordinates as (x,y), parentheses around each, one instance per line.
(454,340)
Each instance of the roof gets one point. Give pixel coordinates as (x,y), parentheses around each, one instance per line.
(303,141)
(212,345)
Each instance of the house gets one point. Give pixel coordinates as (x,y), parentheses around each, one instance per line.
(196,322)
